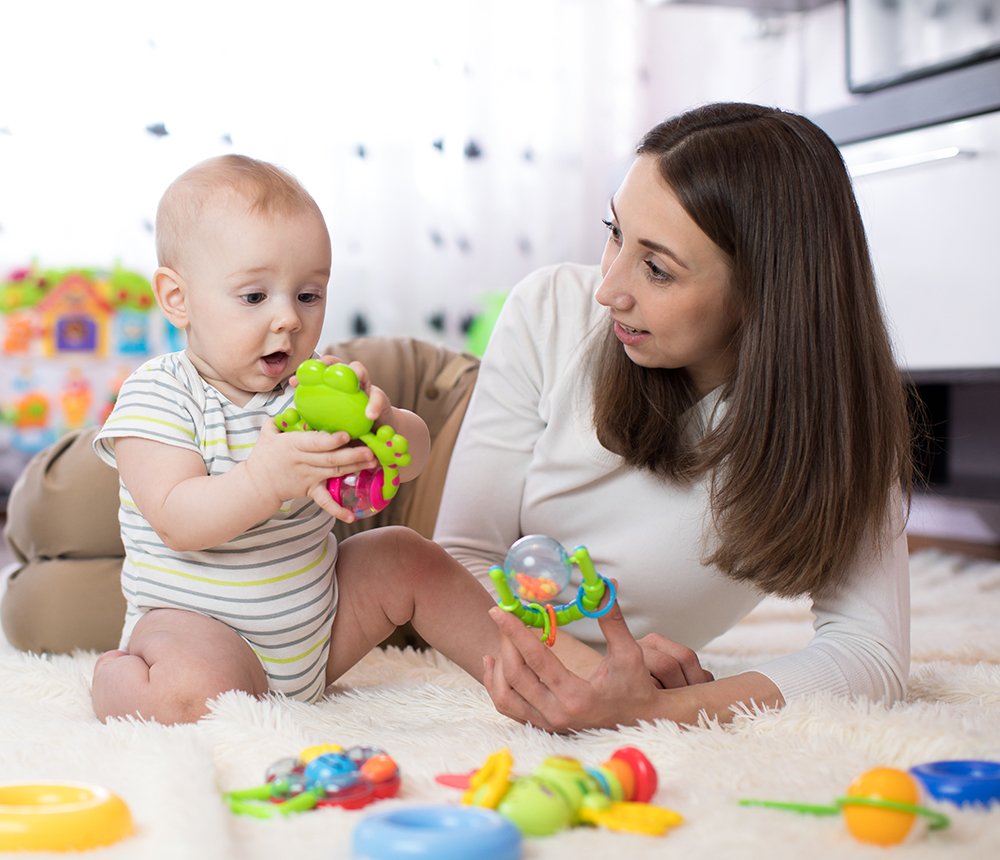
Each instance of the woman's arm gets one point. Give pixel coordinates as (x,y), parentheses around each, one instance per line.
(861,648)
(530,684)
(862,641)
(479,516)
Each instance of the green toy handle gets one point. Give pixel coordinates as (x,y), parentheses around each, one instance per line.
(588,597)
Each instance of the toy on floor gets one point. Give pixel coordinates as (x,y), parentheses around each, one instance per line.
(964,783)
(331,399)
(60,816)
(320,776)
(436,833)
(560,793)
(882,806)
(535,570)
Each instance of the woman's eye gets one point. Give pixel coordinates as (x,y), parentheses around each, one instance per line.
(253,298)
(616,234)
(656,273)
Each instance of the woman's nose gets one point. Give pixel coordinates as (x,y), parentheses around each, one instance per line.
(613,293)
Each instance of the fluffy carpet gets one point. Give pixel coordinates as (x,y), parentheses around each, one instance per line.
(433,719)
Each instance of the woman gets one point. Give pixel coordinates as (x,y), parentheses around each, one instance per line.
(716,415)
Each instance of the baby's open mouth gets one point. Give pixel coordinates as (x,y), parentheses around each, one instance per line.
(275,363)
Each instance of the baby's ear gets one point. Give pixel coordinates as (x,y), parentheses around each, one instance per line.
(171,295)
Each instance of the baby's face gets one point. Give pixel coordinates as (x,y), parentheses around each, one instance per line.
(256,296)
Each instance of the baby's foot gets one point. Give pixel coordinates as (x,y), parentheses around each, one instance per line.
(106,658)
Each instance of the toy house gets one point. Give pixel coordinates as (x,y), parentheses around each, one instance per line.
(75,318)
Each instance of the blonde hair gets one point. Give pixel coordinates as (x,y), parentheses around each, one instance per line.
(266,190)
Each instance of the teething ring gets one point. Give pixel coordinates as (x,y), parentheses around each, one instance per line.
(550,633)
(437,833)
(62,816)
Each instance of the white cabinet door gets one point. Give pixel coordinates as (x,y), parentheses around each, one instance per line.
(933,221)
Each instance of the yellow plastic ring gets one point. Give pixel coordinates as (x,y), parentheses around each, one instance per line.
(62,816)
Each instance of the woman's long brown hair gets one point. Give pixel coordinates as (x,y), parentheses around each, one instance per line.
(815,436)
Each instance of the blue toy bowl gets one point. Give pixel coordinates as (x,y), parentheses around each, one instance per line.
(976,783)
(437,833)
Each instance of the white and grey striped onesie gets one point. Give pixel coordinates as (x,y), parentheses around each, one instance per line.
(275,584)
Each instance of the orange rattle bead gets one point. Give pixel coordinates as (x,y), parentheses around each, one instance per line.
(879,824)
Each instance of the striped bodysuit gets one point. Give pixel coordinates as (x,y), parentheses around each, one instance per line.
(275,584)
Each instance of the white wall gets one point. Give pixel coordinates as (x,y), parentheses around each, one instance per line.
(696,54)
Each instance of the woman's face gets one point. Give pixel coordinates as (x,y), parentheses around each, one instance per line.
(666,283)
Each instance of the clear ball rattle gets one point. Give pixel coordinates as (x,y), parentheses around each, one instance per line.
(537,568)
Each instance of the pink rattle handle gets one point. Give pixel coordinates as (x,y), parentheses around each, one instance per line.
(360,493)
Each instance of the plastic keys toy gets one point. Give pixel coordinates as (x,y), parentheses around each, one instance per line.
(535,570)
(881,806)
(560,793)
(320,776)
(331,399)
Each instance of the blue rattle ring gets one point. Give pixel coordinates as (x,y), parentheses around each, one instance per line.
(442,832)
(976,783)
(598,613)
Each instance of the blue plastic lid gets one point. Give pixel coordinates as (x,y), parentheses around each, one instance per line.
(444,832)
(961,782)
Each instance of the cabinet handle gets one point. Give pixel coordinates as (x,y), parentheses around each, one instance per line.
(885,164)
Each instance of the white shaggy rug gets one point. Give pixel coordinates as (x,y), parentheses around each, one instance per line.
(433,719)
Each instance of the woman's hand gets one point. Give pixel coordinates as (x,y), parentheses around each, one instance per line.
(528,683)
(672,664)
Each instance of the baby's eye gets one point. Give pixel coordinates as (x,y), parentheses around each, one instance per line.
(253,298)
(309,298)
(616,234)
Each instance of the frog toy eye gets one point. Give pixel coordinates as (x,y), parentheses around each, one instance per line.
(310,372)
(341,378)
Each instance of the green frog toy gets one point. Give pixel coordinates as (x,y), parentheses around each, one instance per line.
(331,399)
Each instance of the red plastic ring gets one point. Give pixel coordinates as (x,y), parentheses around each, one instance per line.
(646,781)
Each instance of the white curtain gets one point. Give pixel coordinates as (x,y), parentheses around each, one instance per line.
(453,145)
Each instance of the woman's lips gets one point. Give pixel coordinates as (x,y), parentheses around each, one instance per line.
(627,336)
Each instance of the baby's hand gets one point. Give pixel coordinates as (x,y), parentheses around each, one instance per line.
(297,465)
(379,408)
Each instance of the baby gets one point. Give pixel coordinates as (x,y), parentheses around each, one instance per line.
(232,577)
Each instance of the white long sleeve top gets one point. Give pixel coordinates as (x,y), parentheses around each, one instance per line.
(527,461)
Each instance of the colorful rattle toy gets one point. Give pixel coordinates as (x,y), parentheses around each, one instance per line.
(331,399)
(324,775)
(536,569)
(881,806)
(61,816)
(560,793)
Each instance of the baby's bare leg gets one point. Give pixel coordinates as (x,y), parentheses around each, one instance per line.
(176,662)
(392,575)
